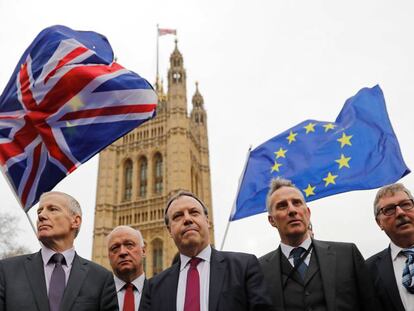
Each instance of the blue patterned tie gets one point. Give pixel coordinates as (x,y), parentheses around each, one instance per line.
(296,253)
(57,282)
(408,272)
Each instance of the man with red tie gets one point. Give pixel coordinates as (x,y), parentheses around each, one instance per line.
(126,251)
(203,279)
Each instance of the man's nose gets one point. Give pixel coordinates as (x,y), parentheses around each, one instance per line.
(399,211)
(291,208)
(187,218)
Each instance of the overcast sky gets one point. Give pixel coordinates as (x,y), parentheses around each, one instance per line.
(262,67)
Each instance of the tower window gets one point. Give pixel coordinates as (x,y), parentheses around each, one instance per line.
(127,180)
(143,169)
(158,173)
(157,255)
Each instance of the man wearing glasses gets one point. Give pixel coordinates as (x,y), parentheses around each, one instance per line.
(393,268)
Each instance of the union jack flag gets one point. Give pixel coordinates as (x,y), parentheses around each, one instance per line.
(66,100)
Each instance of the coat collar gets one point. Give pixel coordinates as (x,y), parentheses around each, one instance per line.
(36,276)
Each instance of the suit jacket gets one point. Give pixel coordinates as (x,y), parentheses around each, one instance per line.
(382,272)
(345,278)
(236,283)
(23,287)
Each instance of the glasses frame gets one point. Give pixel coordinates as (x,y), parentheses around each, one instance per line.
(393,207)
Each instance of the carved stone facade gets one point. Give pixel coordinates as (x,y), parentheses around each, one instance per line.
(139,172)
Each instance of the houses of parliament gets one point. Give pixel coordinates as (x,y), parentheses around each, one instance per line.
(140,171)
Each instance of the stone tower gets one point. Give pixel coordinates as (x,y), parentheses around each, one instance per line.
(139,172)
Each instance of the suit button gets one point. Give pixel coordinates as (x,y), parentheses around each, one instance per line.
(307,294)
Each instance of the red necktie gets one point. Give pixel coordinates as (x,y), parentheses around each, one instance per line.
(129,301)
(192,292)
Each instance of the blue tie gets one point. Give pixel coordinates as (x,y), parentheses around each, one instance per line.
(296,254)
(408,272)
(57,282)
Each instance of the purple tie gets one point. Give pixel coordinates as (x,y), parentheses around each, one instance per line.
(192,292)
(57,282)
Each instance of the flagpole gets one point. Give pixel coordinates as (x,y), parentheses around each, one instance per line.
(158,39)
(31,223)
(235,199)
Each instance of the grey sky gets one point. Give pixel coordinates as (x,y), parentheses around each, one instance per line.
(262,67)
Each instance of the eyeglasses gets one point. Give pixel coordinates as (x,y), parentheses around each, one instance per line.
(390,209)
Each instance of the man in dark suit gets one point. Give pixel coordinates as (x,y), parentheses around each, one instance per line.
(204,279)
(307,274)
(126,252)
(394,213)
(56,278)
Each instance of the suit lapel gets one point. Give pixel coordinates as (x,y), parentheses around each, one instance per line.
(217,272)
(36,276)
(312,269)
(171,285)
(327,265)
(78,273)
(386,273)
(274,273)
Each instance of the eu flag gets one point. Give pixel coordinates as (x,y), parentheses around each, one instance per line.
(357,151)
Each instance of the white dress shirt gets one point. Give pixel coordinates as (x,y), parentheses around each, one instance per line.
(398,262)
(286,249)
(203,269)
(120,290)
(47,253)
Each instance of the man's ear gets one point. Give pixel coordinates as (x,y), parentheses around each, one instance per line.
(76,222)
(144,251)
(271,221)
(379,223)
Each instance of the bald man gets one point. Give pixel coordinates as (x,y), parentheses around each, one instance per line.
(126,252)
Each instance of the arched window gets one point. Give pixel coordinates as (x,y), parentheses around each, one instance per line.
(127,180)
(158,173)
(157,255)
(143,169)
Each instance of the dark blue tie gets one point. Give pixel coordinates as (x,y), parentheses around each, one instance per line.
(408,271)
(57,282)
(301,267)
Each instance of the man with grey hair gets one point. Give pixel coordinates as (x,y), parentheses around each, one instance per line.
(126,253)
(393,268)
(203,278)
(307,274)
(56,278)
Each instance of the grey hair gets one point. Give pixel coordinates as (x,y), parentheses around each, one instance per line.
(134,231)
(73,205)
(388,191)
(179,194)
(276,184)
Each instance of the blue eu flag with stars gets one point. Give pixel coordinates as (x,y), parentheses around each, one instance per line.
(357,151)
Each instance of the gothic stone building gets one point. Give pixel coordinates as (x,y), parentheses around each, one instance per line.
(139,172)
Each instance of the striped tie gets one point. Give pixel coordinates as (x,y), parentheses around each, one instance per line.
(408,272)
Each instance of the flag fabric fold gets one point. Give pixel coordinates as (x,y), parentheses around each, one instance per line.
(358,151)
(66,100)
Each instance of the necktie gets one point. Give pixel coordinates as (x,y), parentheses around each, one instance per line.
(129,300)
(296,254)
(192,292)
(57,282)
(408,271)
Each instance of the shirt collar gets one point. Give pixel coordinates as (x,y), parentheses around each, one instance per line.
(138,283)
(286,249)
(47,253)
(205,255)
(395,251)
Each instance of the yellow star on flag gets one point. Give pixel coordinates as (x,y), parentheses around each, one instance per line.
(291,137)
(329,126)
(276,166)
(345,140)
(309,190)
(310,127)
(330,179)
(281,153)
(343,161)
